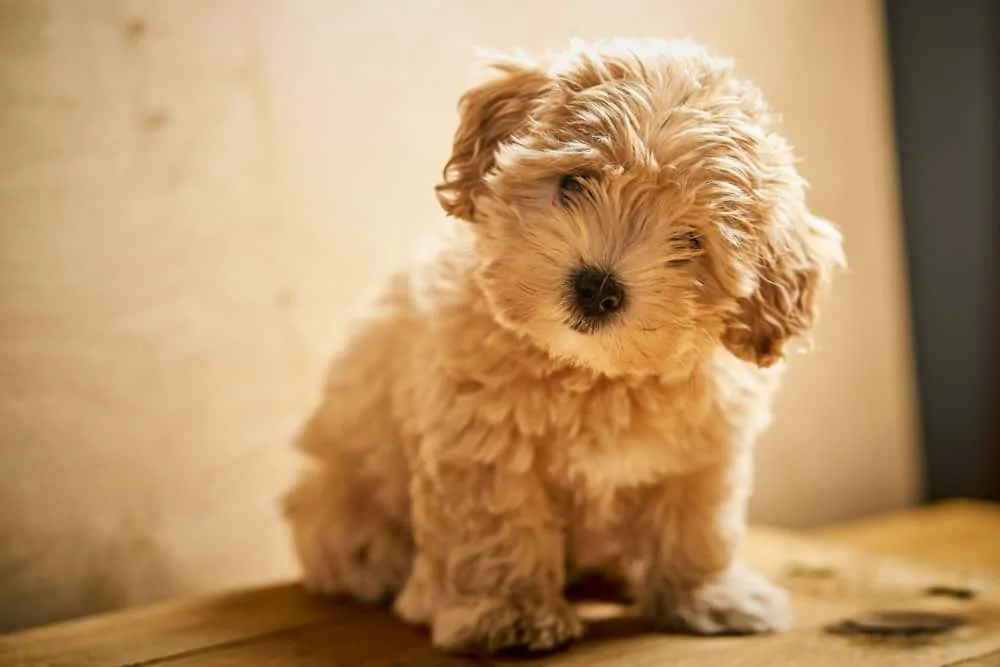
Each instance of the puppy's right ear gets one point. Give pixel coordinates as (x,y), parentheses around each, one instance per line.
(490,114)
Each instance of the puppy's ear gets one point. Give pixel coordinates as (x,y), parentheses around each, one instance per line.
(490,114)
(795,261)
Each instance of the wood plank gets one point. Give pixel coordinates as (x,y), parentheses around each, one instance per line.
(354,635)
(959,533)
(282,626)
(991,660)
(170,628)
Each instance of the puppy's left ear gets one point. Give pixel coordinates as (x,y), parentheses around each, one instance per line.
(490,114)
(795,261)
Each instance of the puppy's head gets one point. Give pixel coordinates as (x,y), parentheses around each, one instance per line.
(634,208)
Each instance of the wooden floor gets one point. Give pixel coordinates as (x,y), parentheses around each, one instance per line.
(938,561)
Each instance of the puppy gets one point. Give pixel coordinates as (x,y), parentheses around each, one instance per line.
(572,381)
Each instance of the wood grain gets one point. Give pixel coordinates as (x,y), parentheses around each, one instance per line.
(829,582)
(961,533)
(991,660)
(169,628)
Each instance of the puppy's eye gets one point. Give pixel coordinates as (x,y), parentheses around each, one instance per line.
(571,184)
(686,247)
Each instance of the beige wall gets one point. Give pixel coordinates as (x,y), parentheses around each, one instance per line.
(193,196)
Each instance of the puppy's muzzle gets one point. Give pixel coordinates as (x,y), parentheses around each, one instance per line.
(596,296)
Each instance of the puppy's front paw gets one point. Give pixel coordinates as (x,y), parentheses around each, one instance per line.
(737,602)
(489,625)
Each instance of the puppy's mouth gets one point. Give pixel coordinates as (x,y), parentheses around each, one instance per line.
(587,326)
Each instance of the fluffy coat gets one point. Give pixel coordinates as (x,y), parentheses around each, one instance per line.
(480,443)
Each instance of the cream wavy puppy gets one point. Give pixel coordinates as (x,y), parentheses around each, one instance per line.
(574,380)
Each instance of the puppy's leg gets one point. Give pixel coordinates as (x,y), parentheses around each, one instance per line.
(347,544)
(491,550)
(417,600)
(686,573)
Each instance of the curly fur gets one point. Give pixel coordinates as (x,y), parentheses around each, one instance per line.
(475,450)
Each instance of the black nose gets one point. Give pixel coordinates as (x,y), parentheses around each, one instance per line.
(598,294)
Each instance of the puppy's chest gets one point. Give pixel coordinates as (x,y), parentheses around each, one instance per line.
(615,437)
